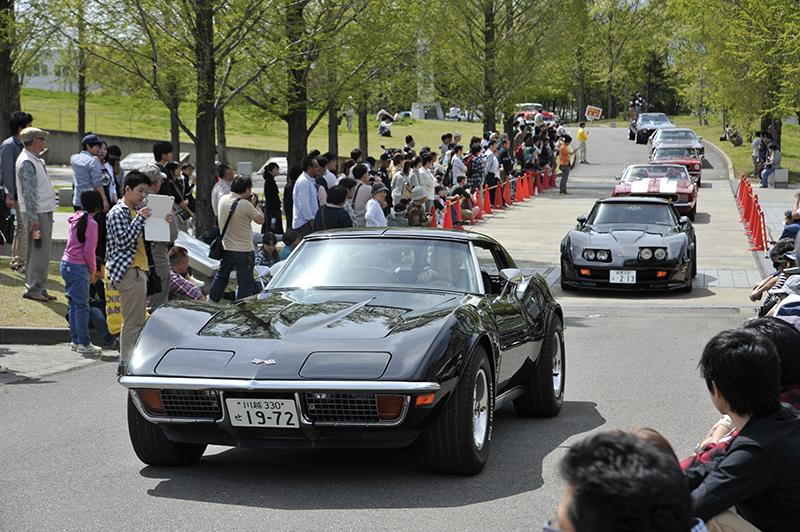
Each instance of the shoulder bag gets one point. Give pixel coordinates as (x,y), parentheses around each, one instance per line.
(215,248)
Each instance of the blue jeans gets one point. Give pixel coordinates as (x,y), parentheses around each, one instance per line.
(76,279)
(98,320)
(243,261)
(765,176)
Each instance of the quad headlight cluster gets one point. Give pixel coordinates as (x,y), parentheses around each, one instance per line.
(601,255)
(652,253)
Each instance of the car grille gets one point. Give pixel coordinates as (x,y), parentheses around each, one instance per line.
(341,407)
(191,403)
(683,198)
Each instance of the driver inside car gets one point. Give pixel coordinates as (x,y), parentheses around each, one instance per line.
(444,269)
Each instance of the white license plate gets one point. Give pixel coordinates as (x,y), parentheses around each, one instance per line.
(622,276)
(273,413)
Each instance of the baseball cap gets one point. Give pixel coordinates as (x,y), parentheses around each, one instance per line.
(91,138)
(153,172)
(30,133)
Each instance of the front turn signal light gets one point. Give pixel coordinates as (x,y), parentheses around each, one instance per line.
(661,273)
(425,400)
(151,399)
(390,407)
(585,272)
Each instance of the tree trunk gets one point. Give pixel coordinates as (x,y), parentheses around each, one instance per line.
(609,86)
(222,141)
(174,128)
(489,96)
(363,130)
(6,67)
(333,129)
(774,126)
(81,74)
(581,97)
(205,114)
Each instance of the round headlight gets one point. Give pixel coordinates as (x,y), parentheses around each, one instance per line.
(602,255)
(588,254)
(697,167)
(646,254)
(660,254)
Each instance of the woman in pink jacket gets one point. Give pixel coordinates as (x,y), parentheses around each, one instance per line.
(79,269)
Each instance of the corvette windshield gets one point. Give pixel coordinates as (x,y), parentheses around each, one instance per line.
(632,213)
(675,153)
(635,173)
(676,135)
(380,262)
(653,119)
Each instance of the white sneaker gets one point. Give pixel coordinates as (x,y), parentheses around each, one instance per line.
(73,346)
(89,349)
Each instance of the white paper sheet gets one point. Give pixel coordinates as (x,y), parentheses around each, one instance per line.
(156,228)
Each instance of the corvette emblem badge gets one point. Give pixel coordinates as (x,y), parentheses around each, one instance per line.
(269,362)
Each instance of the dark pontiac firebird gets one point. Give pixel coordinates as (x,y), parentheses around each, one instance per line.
(634,243)
(364,338)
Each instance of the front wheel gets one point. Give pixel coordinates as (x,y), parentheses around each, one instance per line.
(544,390)
(152,446)
(631,136)
(457,442)
(564,286)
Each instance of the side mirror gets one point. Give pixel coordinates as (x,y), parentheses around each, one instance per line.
(617,177)
(511,275)
(684,220)
(263,274)
(699,138)
(582,219)
(273,271)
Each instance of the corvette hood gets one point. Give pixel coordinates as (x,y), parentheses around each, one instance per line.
(327,314)
(628,235)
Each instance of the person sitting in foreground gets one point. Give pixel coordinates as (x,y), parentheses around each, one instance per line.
(291,239)
(619,482)
(788,298)
(179,286)
(268,255)
(786,339)
(760,472)
(776,253)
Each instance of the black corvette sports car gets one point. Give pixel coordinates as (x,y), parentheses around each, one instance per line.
(364,338)
(632,243)
(647,124)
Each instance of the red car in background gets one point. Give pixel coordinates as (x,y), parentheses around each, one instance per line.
(686,157)
(669,181)
(530,110)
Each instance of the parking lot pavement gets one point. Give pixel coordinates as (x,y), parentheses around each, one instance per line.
(37,362)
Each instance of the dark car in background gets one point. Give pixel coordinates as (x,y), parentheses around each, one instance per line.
(363,338)
(630,243)
(647,124)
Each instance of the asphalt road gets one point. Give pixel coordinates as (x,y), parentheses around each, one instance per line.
(66,462)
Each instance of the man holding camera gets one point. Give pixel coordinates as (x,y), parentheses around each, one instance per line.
(238,240)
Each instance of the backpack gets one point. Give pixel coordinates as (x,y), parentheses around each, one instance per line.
(518,155)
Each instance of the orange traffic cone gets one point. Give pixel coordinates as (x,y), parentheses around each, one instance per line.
(448,219)
(553,177)
(479,203)
(740,194)
(758,240)
(747,207)
(525,179)
(538,184)
(518,194)
(487,202)
(507,192)
(498,197)
(531,187)
(752,224)
(545,181)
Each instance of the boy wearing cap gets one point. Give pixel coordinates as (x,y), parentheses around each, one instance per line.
(374,216)
(87,171)
(37,201)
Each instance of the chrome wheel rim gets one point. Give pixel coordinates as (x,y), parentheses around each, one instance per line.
(558,366)
(480,409)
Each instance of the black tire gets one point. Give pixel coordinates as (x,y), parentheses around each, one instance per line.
(694,263)
(693,212)
(688,288)
(631,136)
(564,286)
(544,391)
(639,139)
(456,442)
(152,446)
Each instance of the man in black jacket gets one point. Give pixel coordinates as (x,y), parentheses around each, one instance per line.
(760,472)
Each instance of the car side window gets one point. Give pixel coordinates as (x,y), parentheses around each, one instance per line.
(491,261)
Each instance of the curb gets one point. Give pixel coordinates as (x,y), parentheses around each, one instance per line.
(719,151)
(41,336)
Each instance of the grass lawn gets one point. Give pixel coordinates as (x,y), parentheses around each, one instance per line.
(19,312)
(133,117)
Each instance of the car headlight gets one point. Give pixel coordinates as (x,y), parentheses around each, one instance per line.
(646,254)
(589,254)
(697,167)
(660,254)
(602,255)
